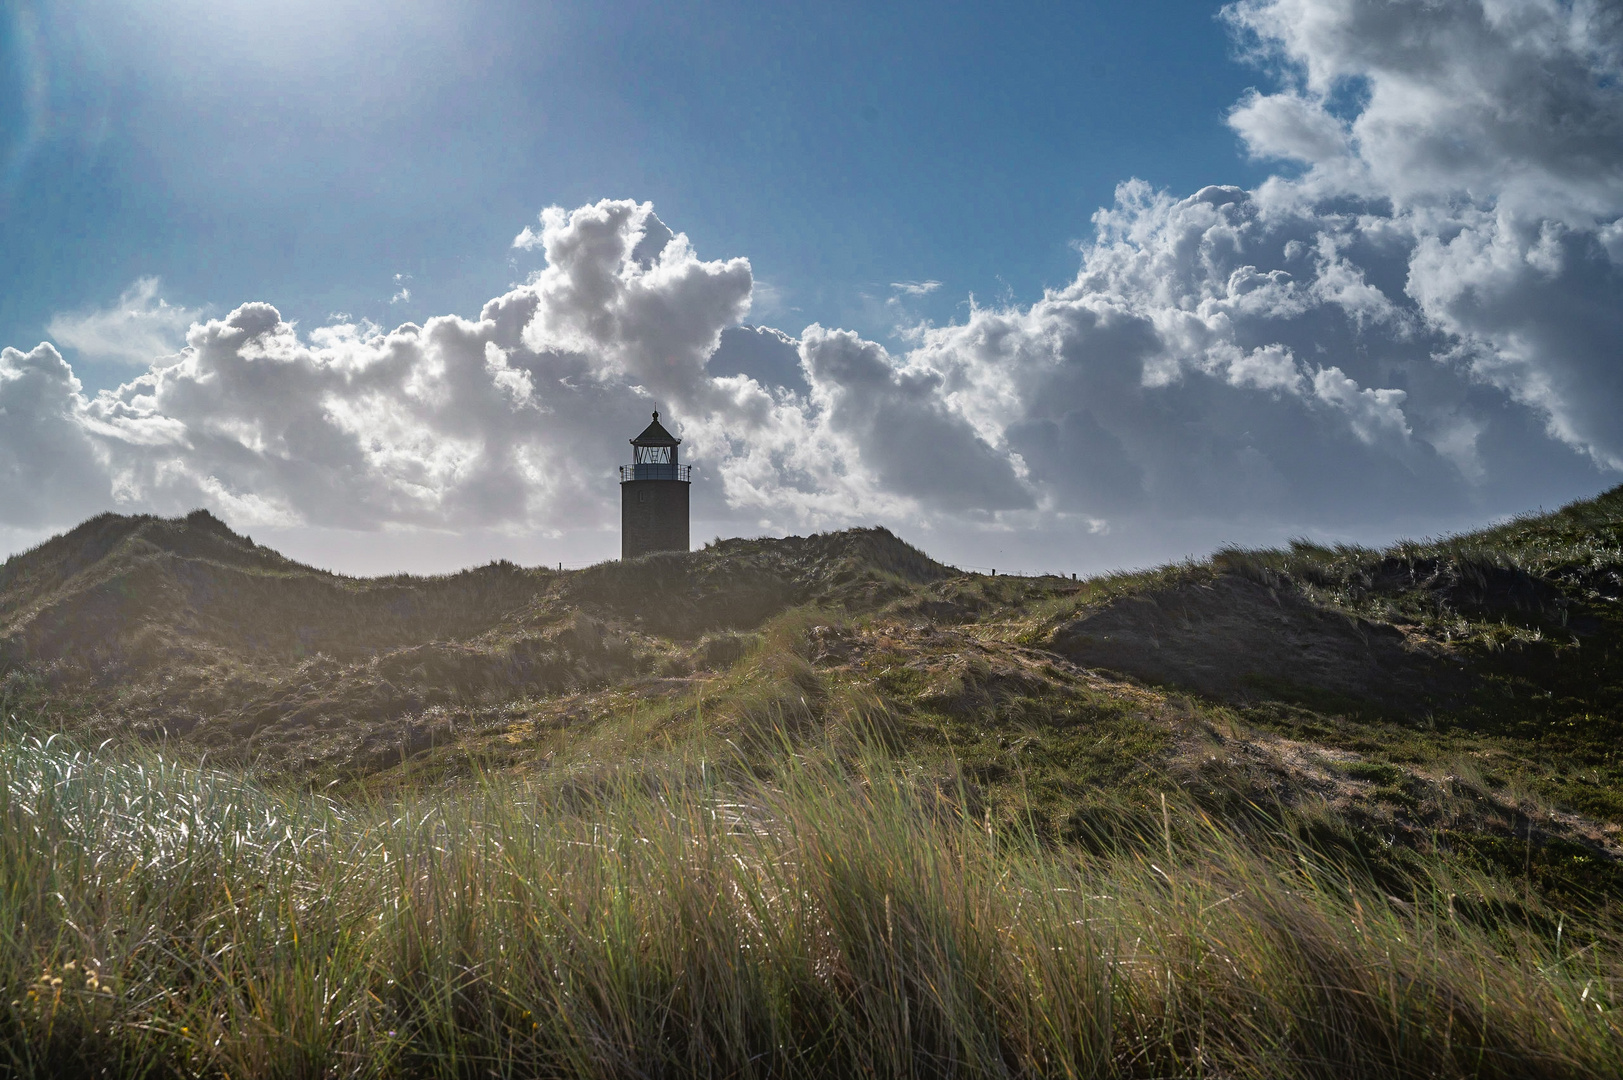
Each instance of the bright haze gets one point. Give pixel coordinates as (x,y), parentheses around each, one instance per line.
(1039,287)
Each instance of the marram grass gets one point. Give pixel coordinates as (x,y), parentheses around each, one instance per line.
(834,920)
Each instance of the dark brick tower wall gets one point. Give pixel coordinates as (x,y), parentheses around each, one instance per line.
(653,516)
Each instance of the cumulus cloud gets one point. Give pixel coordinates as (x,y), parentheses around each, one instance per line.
(904,426)
(513,418)
(1488,143)
(1511,103)
(141,326)
(1289,125)
(50,467)
(455,423)
(769,356)
(1426,301)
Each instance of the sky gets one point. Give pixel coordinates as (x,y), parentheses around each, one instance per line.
(1042,287)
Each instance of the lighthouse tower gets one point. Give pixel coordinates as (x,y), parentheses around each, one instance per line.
(653,495)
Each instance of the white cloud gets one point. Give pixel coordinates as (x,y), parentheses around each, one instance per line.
(1371,414)
(513,419)
(1289,125)
(140,326)
(1427,304)
(770,357)
(50,469)
(1488,146)
(915,288)
(1502,102)
(903,426)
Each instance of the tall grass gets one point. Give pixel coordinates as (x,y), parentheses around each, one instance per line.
(827,920)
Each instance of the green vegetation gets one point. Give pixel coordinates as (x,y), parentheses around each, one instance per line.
(815,806)
(801,916)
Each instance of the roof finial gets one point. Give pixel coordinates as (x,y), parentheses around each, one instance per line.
(656,414)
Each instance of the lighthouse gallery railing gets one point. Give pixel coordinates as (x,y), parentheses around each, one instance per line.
(652,471)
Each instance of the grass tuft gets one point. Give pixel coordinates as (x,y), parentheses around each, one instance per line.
(839,918)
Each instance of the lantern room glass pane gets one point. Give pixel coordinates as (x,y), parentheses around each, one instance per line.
(653,455)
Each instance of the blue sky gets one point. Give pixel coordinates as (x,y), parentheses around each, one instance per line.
(307,152)
(370,165)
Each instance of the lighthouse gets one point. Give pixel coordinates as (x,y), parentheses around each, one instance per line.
(653,495)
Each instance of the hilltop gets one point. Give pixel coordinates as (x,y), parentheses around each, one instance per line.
(182,628)
(815,806)
(1470,684)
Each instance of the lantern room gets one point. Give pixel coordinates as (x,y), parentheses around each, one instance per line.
(653,455)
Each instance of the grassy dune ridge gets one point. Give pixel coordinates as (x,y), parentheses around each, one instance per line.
(816,806)
(827,916)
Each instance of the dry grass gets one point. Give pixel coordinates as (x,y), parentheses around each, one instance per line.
(812,919)
(810,807)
